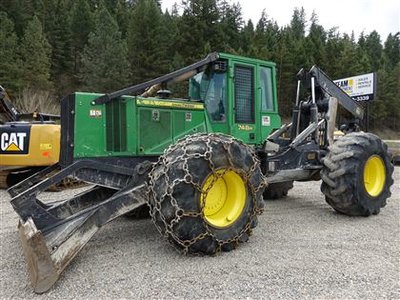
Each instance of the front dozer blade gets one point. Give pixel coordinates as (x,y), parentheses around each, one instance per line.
(42,271)
(52,234)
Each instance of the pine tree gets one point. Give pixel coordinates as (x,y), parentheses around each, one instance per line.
(387,105)
(59,36)
(259,48)
(287,66)
(121,14)
(147,41)
(81,25)
(392,50)
(199,30)
(296,42)
(246,38)
(348,63)
(333,50)
(315,42)
(104,62)
(231,22)
(21,12)
(391,89)
(266,38)
(9,59)
(298,23)
(35,55)
(374,47)
(291,55)
(169,32)
(362,55)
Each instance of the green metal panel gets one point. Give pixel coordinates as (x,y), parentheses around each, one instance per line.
(163,122)
(155,130)
(90,138)
(132,126)
(104,130)
(187,122)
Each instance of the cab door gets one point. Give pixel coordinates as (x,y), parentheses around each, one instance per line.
(243,124)
(268,114)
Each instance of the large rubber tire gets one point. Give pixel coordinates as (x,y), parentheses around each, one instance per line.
(277,190)
(343,182)
(177,184)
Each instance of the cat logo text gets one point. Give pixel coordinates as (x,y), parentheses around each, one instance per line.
(13,142)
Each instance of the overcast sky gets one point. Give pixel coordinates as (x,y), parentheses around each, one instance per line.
(358,15)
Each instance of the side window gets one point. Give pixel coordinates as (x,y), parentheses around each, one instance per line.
(266,89)
(244,94)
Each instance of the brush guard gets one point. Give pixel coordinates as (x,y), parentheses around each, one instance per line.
(52,234)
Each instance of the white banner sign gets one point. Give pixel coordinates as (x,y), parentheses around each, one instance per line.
(360,88)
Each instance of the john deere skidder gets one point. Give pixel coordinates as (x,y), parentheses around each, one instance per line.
(200,164)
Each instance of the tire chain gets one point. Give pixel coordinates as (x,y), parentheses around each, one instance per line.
(188,178)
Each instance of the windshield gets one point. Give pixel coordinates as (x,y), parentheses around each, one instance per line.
(198,86)
(211,89)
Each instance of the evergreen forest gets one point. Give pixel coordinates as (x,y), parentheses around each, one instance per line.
(55,47)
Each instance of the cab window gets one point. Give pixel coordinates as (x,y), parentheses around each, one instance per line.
(267,103)
(198,86)
(210,87)
(215,98)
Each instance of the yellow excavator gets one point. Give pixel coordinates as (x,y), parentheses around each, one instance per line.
(29,142)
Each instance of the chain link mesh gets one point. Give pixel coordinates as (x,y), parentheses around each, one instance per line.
(175,168)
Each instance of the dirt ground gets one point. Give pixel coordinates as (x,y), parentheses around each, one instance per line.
(300,249)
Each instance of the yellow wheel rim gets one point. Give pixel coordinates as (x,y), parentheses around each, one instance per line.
(374,175)
(225,200)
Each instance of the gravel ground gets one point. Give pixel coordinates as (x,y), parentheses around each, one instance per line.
(301,249)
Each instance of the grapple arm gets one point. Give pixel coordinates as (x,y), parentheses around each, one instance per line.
(333,90)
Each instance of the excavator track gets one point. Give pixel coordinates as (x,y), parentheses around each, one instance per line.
(10,177)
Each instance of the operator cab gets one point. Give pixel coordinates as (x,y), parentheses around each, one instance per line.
(239,96)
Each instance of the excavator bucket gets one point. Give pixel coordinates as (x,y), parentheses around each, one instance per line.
(53,233)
